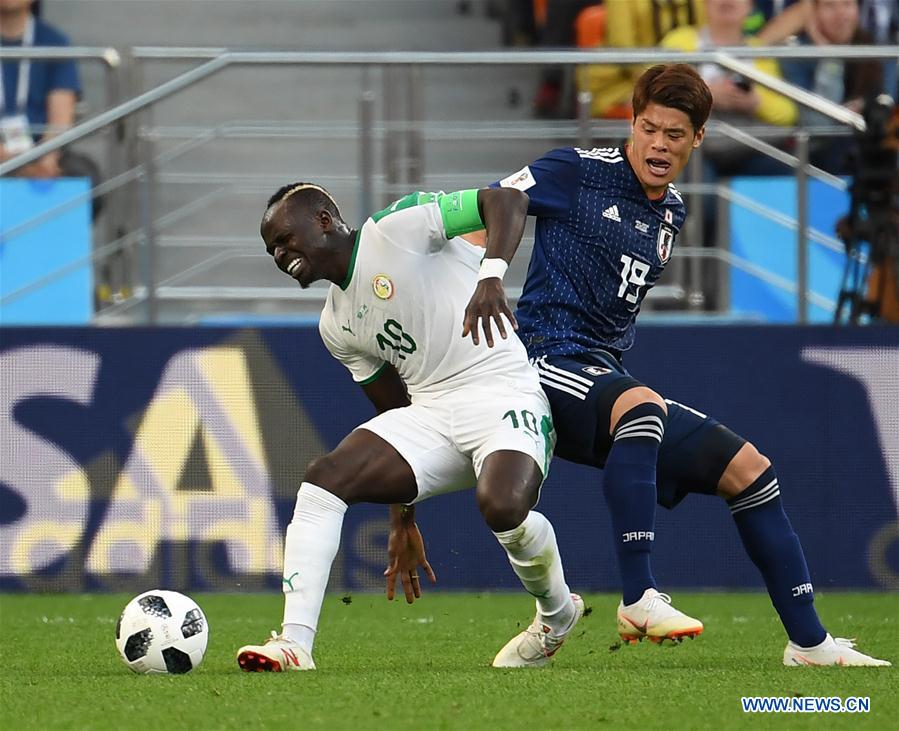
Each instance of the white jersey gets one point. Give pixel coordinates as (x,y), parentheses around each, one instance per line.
(403,303)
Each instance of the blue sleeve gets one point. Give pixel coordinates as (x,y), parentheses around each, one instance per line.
(64,75)
(61,74)
(551,182)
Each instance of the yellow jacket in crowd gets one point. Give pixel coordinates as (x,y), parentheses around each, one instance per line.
(633,24)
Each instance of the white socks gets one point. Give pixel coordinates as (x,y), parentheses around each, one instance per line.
(534,556)
(310,547)
(313,538)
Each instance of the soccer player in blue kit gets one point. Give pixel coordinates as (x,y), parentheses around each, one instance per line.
(607,220)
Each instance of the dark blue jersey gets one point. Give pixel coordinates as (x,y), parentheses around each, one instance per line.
(47,75)
(600,245)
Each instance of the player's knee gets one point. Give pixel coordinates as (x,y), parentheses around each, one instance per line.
(503,510)
(742,471)
(631,399)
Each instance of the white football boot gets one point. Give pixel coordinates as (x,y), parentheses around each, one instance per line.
(276,655)
(833,651)
(654,618)
(534,647)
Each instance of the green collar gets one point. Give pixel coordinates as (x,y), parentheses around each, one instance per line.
(349,272)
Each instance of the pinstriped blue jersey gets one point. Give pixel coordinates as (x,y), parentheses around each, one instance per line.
(600,245)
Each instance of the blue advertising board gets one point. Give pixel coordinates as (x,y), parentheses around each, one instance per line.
(46,272)
(138,457)
(769,244)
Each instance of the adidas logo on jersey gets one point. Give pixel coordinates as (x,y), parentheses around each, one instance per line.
(612,213)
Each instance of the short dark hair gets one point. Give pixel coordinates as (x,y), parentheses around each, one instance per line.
(309,195)
(674,85)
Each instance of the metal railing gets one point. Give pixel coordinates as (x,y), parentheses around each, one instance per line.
(146,162)
(218,59)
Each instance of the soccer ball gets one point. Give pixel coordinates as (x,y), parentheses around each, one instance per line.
(162,632)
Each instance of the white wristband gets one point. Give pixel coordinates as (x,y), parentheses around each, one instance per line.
(492,268)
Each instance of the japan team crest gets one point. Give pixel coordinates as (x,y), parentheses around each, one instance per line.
(382,286)
(665,243)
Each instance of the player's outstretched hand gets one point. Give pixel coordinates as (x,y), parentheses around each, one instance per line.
(487,303)
(405,553)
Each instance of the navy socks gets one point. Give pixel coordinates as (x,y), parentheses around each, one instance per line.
(774,548)
(629,486)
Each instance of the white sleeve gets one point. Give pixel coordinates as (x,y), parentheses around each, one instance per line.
(364,367)
(417,229)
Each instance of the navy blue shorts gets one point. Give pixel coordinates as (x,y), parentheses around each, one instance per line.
(582,389)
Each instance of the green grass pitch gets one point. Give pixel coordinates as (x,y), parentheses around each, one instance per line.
(426,666)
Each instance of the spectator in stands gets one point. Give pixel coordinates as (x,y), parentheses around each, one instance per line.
(736,100)
(880,18)
(633,24)
(37,96)
(835,23)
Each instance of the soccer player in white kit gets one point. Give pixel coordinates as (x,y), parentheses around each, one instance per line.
(451,414)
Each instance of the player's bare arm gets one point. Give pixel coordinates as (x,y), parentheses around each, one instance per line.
(504,212)
(405,547)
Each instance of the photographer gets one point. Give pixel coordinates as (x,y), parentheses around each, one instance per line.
(870,232)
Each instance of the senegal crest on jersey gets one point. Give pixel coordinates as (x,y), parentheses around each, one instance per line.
(382,286)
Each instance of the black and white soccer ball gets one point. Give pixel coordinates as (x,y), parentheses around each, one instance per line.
(162,632)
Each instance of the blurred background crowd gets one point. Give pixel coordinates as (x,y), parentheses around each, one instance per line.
(43,96)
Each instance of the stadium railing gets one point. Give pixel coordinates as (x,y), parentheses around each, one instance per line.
(135,160)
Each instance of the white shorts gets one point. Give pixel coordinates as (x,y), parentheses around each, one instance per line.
(446,439)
